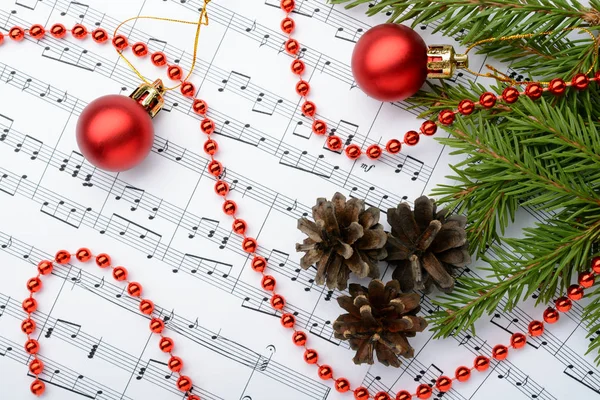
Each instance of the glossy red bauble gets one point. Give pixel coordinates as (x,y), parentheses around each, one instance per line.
(518,340)
(389,62)
(115,133)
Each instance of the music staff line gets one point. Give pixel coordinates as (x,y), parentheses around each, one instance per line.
(186,327)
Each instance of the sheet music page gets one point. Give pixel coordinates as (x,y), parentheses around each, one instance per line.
(163,221)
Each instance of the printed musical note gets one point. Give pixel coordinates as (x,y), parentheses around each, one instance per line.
(30,146)
(133,195)
(64,212)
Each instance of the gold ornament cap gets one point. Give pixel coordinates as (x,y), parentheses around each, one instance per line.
(443,61)
(150,97)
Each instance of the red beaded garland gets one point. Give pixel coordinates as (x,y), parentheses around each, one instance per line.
(134,289)
(361,393)
(518,340)
(259,264)
(466,107)
(302,88)
(207,126)
(99,35)
(184,383)
(193,397)
(311,356)
(174,72)
(37,387)
(510,95)
(536,328)
(481,363)
(79,31)
(29,305)
(534,91)
(166,345)
(146,307)
(487,100)
(140,49)
(239,226)
(120,274)
(288,5)
(268,283)
(424,391)
(298,67)
(557,86)
(249,245)
(288,25)
(277,302)
(353,151)
(292,46)
(175,364)
(563,304)
(221,188)
(16,33)
(200,106)
(334,143)
(447,117)
(32,346)
(374,152)
(325,372)
(62,257)
(319,127)
(393,146)
(157,325)
(443,384)
(188,89)
(45,267)
(36,366)
(229,207)
(580,81)
(551,315)
(342,385)
(586,279)
(159,59)
(211,147)
(28,326)
(215,168)
(403,395)
(575,292)
(83,255)
(1,38)
(411,138)
(596,260)
(120,42)
(429,128)
(462,374)
(58,31)
(382,396)
(103,260)
(500,352)
(288,320)
(299,338)
(34,285)
(37,31)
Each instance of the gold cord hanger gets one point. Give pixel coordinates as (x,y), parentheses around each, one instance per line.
(503,77)
(202,20)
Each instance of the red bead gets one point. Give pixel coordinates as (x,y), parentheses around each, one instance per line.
(361,393)
(596,263)
(175,72)
(488,100)
(239,226)
(551,316)
(166,345)
(292,46)
(157,325)
(288,25)
(586,279)
(134,289)
(28,326)
(424,391)
(99,35)
(159,59)
(249,245)
(29,305)
(83,255)
(288,5)
(466,107)
(58,31)
(277,302)
(146,307)
(534,91)
(221,188)
(447,117)
(428,128)
(353,151)
(481,363)
(1,38)
(140,49)
(500,352)
(334,143)
(37,31)
(393,146)
(557,86)
(188,89)
(403,395)
(16,33)
(443,384)
(45,267)
(211,147)
(103,260)
(342,385)
(325,372)
(184,383)
(37,387)
(563,304)
(200,107)
(175,364)
(120,274)
(268,283)
(193,397)
(580,81)
(207,126)
(32,346)
(79,31)
(215,168)
(288,320)
(462,374)
(518,340)
(319,127)
(62,257)
(575,292)
(309,108)
(374,152)
(36,366)
(510,95)
(311,356)
(299,338)
(120,42)
(298,67)
(536,328)
(259,264)
(302,88)
(411,138)
(382,396)
(229,207)
(34,285)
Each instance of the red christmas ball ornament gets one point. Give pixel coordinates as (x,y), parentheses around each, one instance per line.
(115,133)
(389,62)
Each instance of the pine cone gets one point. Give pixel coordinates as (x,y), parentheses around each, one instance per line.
(344,238)
(379,318)
(426,246)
